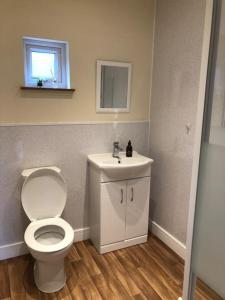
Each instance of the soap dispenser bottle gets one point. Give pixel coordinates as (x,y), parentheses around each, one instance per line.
(129,149)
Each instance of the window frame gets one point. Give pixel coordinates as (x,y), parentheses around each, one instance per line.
(59,48)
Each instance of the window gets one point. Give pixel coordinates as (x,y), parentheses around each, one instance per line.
(46,61)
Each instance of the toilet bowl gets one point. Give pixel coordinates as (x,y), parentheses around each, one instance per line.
(48,237)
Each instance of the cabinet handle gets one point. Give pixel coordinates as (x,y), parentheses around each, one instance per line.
(132,194)
(121,201)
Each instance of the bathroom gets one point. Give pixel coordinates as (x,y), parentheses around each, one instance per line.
(173,115)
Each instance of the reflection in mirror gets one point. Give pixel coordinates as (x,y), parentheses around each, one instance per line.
(113,86)
(215,96)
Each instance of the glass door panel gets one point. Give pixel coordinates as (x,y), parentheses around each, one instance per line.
(208,253)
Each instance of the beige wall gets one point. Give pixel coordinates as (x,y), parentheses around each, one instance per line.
(95,29)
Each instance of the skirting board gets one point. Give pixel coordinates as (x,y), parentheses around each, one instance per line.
(167,238)
(19,248)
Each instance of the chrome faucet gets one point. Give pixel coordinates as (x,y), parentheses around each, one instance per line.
(116,150)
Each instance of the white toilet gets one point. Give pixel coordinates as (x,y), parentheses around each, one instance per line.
(48,237)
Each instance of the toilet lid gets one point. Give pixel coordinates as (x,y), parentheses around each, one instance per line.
(44,194)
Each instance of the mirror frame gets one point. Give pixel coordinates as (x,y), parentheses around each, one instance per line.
(101,63)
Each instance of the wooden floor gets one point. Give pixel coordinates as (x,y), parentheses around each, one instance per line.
(147,271)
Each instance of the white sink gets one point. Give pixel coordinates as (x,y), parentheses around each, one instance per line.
(125,167)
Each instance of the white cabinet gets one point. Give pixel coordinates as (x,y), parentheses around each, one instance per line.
(119,211)
(113,212)
(137,208)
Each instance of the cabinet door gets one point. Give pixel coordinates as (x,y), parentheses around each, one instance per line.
(137,213)
(112,213)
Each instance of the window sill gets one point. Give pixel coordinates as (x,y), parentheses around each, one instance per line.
(46,89)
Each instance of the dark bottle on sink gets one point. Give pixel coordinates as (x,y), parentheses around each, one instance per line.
(129,149)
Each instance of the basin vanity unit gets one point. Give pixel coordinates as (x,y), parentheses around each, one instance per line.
(119,200)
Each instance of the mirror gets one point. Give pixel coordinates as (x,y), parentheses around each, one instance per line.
(113,86)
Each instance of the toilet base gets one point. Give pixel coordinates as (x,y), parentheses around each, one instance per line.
(49,277)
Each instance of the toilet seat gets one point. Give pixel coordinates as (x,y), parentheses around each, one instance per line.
(32,228)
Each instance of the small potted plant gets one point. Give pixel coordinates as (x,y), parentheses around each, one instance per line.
(40,83)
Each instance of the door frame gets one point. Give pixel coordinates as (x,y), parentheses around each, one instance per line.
(197,145)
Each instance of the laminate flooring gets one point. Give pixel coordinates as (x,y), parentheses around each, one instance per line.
(147,271)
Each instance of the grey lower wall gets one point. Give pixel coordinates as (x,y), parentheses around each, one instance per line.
(177,58)
(66,146)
